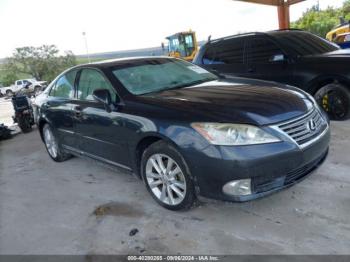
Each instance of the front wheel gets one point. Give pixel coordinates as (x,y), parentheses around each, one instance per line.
(335,100)
(53,146)
(167,177)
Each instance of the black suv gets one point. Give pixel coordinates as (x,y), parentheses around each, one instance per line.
(291,57)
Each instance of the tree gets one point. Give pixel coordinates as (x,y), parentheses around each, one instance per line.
(8,78)
(320,22)
(42,63)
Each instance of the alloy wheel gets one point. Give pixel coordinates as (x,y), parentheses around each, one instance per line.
(50,142)
(165,179)
(334,104)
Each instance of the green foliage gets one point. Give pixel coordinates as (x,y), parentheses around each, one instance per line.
(42,63)
(320,22)
(9,78)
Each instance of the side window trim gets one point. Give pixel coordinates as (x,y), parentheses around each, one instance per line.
(77,78)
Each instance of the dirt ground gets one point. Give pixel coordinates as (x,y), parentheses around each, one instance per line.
(80,207)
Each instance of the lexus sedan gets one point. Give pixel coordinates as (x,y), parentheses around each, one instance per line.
(185,132)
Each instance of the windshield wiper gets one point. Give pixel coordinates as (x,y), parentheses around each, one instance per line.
(197,82)
(181,86)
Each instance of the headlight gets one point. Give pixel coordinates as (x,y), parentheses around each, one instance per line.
(233,134)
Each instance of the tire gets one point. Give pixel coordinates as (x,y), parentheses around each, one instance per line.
(24,124)
(335,100)
(56,152)
(9,93)
(175,178)
(5,132)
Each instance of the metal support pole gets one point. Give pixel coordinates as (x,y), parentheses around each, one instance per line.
(86,46)
(283,16)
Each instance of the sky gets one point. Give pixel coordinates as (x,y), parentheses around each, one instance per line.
(113,25)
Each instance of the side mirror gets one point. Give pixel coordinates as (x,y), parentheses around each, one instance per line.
(103,96)
(27,85)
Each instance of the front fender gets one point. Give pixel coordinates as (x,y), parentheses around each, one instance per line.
(316,83)
(40,121)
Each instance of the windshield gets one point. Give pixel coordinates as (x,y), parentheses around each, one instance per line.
(303,43)
(173,44)
(155,75)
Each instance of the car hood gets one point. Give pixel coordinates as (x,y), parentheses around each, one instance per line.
(238,101)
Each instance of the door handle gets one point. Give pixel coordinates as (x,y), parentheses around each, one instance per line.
(77,111)
(251,70)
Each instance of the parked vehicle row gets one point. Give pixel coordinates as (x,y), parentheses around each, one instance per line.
(291,57)
(32,87)
(183,130)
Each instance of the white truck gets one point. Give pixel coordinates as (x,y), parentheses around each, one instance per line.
(33,85)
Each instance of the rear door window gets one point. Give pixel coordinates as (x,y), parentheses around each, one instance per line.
(230,51)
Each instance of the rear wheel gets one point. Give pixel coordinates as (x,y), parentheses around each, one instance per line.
(335,100)
(166,176)
(53,146)
(9,93)
(25,124)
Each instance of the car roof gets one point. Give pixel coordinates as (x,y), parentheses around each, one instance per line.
(120,61)
(269,33)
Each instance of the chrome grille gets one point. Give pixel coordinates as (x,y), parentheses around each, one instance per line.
(305,128)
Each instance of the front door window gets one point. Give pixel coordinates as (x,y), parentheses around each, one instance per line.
(90,80)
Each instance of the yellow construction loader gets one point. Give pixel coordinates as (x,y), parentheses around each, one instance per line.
(342,28)
(183,45)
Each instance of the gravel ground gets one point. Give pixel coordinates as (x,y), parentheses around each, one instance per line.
(80,207)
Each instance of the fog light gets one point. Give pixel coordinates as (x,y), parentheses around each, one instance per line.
(240,187)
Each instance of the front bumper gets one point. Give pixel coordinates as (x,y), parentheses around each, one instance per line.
(262,186)
(271,167)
